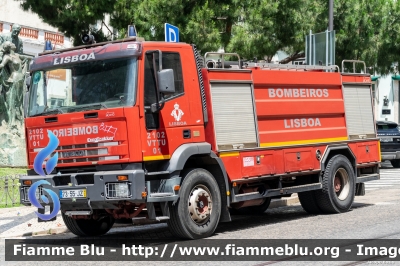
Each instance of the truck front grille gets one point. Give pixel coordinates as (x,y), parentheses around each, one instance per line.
(90,152)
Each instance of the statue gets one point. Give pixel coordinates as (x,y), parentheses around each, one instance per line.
(13,37)
(11,83)
(13,67)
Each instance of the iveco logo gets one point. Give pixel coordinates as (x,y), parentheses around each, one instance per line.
(66,154)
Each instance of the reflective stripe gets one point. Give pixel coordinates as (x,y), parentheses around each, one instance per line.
(308,141)
(156,157)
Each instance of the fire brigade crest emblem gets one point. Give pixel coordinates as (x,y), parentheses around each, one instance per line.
(177,113)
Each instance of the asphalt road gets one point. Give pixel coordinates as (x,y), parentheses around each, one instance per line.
(373,216)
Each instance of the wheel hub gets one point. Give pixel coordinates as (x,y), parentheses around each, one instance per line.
(341,184)
(200,204)
(338,184)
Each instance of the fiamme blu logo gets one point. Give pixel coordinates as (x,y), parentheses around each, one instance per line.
(50,164)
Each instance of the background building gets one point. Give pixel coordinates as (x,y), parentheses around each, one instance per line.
(34,32)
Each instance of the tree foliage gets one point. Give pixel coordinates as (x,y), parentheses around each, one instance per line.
(365,30)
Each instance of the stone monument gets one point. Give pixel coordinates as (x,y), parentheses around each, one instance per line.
(13,66)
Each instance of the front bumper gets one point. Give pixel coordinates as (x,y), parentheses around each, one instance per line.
(100,188)
(392,155)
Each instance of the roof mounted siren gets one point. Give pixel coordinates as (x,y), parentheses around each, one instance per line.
(131,31)
(88,39)
(48,46)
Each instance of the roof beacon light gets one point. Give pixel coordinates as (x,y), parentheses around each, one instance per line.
(48,46)
(131,31)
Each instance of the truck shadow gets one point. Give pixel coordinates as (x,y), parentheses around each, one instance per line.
(160,231)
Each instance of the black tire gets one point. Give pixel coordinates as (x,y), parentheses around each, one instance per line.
(309,202)
(252,210)
(338,170)
(185,219)
(395,163)
(83,227)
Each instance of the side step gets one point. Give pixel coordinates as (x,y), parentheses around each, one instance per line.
(145,220)
(70,213)
(276,192)
(365,178)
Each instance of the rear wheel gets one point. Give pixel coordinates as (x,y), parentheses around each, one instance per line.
(309,202)
(91,227)
(196,213)
(308,199)
(395,163)
(338,186)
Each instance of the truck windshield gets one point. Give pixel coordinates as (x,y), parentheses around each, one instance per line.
(93,85)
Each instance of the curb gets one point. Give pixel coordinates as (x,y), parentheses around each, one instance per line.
(51,231)
(284,202)
(276,203)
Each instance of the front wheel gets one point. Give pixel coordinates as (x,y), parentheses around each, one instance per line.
(338,186)
(196,213)
(88,227)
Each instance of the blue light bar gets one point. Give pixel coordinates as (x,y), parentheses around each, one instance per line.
(131,31)
(48,46)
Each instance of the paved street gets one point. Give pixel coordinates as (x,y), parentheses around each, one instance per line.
(389,177)
(374,216)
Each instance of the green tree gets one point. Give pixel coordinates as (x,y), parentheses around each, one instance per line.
(365,30)
(361,30)
(388,56)
(72,17)
(264,27)
(197,20)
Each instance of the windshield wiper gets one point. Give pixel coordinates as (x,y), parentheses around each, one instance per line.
(49,112)
(96,106)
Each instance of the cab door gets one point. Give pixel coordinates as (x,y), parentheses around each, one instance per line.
(165,129)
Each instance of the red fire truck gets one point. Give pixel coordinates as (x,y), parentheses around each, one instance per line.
(150,131)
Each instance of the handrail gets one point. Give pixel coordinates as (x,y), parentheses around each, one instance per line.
(354,65)
(290,66)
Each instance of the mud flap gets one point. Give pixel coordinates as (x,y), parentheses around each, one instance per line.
(46,210)
(360,189)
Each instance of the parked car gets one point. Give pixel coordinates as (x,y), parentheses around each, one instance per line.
(389,134)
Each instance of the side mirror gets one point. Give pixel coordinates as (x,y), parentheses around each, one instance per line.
(166,82)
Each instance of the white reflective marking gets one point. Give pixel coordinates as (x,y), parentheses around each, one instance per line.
(108,158)
(114,143)
(385,203)
(378,185)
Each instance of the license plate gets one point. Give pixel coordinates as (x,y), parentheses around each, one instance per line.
(73,193)
(386,139)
